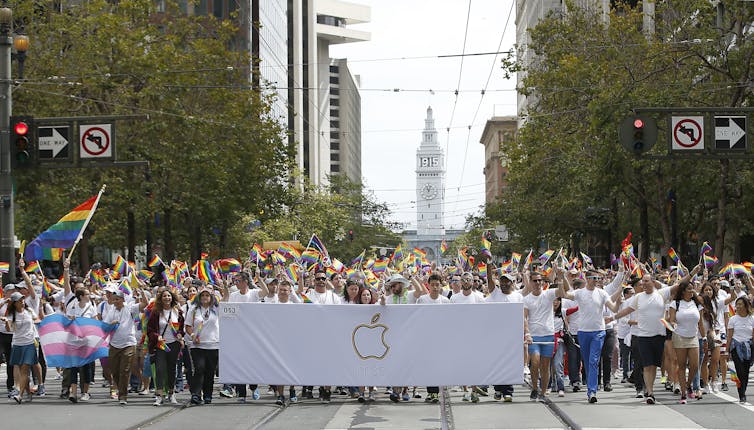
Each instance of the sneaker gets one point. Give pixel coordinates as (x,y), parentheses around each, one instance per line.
(576,387)
(691,394)
(174,401)
(370,397)
(507,398)
(434,398)
(608,388)
(227,393)
(724,386)
(85,397)
(683,400)
(561,393)
(73,399)
(208,401)
(663,379)
(123,402)
(326,395)
(623,380)
(158,401)
(650,399)
(715,387)
(280,401)
(113,395)
(293,399)
(668,386)
(481,392)
(676,389)
(705,389)
(405,397)
(195,400)
(498,395)
(241,400)
(58,377)
(534,394)
(255,395)
(17,398)
(466,397)
(13,392)
(474,397)
(41,390)
(592,399)
(639,394)
(144,392)
(270,392)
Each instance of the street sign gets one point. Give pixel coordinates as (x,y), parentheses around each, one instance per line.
(52,142)
(687,133)
(730,132)
(95,141)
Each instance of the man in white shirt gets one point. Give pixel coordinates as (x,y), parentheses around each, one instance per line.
(122,341)
(434,298)
(505,293)
(467,294)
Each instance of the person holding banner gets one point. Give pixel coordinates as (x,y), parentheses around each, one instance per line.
(505,293)
(122,341)
(80,306)
(203,327)
(20,321)
(165,334)
(436,298)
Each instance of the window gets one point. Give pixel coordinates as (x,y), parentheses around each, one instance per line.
(334,124)
(335,146)
(334,79)
(335,168)
(334,69)
(334,102)
(334,91)
(334,113)
(334,135)
(335,157)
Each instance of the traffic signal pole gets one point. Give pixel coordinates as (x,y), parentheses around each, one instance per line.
(7,235)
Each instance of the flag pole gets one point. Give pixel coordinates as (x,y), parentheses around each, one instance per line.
(88,218)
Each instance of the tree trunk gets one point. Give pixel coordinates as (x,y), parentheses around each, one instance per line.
(131,236)
(722,198)
(167,224)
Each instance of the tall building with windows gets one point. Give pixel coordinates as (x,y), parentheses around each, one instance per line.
(497,130)
(345,122)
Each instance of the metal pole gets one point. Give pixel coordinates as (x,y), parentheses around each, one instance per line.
(7,236)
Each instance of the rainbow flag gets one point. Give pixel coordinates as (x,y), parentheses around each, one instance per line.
(672,254)
(4,267)
(32,267)
(485,247)
(529,259)
(162,345)
(418,252)
(544,258)
(358,259)
(506,267)
(144,275)
(277,258)
(204,271)
(320,246)
(705,248)
(380,266)
(482,270)
(638,271)
(586,258)
(516,258)
(289,250)
(310,257)
(443,247)
(120,266)
(292,272)
(305,299)
(667,324)
(256,252)
(739,269)
(337,265)
(155,261)
(46,288)
(229,265)
(397,254)
(709,260)
(64,233)
(734,377)
(350,273)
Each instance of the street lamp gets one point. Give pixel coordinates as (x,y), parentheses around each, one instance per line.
(21,44)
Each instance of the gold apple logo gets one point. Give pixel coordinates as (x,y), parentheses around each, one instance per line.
(365,341)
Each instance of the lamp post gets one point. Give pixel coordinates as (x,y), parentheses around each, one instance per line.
(21,43)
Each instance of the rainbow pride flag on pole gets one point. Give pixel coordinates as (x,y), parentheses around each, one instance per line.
(64,234)
(4,267)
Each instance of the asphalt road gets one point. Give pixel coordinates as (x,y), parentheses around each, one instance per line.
(618,409)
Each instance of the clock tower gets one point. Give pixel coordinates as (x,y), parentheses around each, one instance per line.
(430,182)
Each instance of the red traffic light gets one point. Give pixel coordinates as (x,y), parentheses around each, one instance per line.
(638,123)
(21,128)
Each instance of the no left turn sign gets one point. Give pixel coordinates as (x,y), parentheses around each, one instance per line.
(95,141)
(687,133)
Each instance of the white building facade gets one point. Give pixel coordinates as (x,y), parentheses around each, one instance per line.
(430,182)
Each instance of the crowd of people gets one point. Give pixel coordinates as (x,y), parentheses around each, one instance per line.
(581,327)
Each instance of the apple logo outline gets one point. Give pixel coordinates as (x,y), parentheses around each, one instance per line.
(372,326)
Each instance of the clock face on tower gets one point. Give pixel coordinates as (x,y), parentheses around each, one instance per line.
(428,191)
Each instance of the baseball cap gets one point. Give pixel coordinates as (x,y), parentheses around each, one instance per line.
(724,283)
(119,293)
(9,288)
(269,281)
(16,296)
(397,278)
(509,277)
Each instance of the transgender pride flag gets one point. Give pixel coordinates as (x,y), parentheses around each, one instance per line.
(73,342)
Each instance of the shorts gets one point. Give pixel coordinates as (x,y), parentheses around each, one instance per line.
(23,354)
(651,349)
(543,349)
(685,342)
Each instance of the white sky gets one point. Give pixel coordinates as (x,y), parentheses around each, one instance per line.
(392,122)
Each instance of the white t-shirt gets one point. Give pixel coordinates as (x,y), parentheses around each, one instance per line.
(426,299)
(650,309)
(574,318)
(591,307)
(687,318)
(541,316)
(74,310)
(462,298)
(497,296)
(326,298)
(742,327)
(251,296)
(3,310)
(168,316)
(406,298)
(23,333)
(206,325)
(125,334)
(622,329)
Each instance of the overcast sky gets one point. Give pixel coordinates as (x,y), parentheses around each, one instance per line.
(392,121)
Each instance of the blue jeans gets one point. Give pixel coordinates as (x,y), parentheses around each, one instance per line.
(556,367)
(591,349)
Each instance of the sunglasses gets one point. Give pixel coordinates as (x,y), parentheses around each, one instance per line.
(596,278)
(320,279)
(538,280)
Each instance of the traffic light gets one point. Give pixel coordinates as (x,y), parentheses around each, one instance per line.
(350,235)
(638,133)
(22,142)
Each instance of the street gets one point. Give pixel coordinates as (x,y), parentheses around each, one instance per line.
(618,409)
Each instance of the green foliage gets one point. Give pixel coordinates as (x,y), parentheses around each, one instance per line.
(216,153)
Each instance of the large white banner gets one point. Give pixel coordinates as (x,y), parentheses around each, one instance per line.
(371,345)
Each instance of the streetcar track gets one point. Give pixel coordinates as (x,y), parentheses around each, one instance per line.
(557,412)
(446,413)
(269,417)
(154,420)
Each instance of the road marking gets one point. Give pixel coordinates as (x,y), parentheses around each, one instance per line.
(734,400)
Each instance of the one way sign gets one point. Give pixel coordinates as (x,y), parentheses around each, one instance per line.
(730,132)
(53,142)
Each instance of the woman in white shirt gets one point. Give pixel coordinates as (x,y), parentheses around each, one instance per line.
(740,334)
(686,319)
(203,327)
(20,321)
(80,306)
